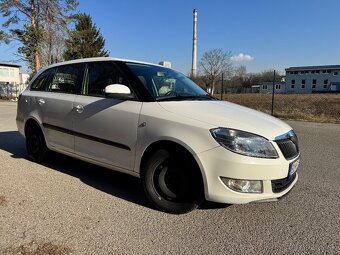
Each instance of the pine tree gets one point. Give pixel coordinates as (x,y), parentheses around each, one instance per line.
(85,40)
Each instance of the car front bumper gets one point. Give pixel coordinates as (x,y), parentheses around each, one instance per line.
(220,162)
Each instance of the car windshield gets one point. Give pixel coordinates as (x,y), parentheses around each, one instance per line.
(167,84)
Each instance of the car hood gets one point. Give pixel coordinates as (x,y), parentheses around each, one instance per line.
(229,115)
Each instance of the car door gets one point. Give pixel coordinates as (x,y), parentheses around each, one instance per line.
(36,102)
(59,97)
(105,128)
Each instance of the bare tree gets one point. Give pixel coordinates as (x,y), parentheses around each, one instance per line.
(33,23)
(240,71)
(53,44)
(239,75)
(267,76)
(213,64)
(201,81)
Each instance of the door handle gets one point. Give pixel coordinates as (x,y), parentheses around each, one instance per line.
(41,101)
(79,108)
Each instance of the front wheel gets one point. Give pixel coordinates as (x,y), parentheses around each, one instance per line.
(36,145)
(171,182)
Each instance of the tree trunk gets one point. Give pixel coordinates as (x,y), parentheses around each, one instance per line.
(37,61)
(35,12)
(213,88)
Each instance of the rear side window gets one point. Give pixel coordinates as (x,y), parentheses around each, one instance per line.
(39,83)
(100,75)
(65,79)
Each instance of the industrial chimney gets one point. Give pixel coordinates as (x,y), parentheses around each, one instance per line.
(194,47)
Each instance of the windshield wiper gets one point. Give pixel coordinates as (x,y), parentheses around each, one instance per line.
(179,98)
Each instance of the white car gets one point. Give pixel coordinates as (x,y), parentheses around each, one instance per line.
(155,123)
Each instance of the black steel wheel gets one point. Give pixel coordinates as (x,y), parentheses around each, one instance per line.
(36,145)
(171,183)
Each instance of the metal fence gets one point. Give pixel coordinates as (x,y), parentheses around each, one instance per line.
(272,98)
(315,107)
(11,91)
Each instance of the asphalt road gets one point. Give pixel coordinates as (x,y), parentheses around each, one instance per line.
(71,207)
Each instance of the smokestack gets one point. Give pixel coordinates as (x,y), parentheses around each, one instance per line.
(194,47)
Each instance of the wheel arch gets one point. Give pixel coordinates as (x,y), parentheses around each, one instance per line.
(31,123)
(35,141)
(171,145)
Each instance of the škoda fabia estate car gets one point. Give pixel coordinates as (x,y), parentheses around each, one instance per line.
(155,123)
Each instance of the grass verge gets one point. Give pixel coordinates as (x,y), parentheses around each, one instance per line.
(306,107)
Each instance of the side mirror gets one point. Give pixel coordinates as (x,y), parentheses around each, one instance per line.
(118,91)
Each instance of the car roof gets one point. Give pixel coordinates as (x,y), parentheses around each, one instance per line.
(96,59)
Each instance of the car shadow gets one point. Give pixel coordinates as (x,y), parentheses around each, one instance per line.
(208,205)
(14,143)
(114,183)
(111,182)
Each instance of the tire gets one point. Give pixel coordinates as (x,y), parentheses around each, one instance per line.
(36,145)
(171,183)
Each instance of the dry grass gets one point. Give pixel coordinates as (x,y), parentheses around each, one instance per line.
(307,107)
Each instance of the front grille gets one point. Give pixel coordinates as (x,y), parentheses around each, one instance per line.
(289,147)
(281,184)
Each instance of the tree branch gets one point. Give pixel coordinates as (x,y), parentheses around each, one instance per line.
(19,5)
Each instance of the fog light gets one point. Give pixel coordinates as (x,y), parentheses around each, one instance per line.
(244,186)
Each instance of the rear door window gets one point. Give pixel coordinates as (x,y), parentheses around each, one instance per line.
(66,79)
(40,82)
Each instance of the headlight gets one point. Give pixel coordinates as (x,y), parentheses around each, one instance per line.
(244,143)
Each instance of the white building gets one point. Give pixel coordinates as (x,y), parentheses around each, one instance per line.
(9,73)
(267,87)
(308,79)
(24,78)
(165,64)
(12,81)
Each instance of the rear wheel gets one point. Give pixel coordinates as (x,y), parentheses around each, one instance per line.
(35,144)
(171,182)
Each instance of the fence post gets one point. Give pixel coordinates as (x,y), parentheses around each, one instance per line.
(273,94)
(7,94)
(222,88)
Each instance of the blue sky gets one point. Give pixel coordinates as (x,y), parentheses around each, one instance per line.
(276,34)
